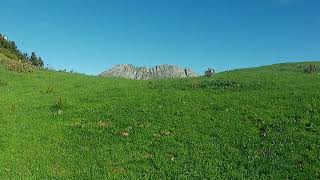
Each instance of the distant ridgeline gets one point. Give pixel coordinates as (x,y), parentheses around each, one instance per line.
(9,49)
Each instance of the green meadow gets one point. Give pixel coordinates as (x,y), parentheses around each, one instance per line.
(255,123)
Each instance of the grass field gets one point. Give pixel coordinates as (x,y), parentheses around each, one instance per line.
(251,123)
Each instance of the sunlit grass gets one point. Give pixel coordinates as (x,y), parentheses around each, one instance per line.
(252,123)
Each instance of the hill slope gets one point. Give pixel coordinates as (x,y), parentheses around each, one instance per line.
(252,123)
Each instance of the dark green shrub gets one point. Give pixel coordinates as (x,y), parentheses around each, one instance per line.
(210,72)
(311,69)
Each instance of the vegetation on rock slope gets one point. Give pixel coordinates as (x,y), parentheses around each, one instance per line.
(251,123)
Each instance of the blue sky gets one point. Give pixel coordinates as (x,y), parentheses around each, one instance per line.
(90,36)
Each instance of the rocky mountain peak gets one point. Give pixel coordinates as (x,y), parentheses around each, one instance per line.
(129,71)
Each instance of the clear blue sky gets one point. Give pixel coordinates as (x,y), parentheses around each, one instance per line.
(90,36)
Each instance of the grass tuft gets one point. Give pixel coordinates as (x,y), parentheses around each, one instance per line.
(3,82)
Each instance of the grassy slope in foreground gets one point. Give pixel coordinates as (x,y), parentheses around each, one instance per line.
(260,122)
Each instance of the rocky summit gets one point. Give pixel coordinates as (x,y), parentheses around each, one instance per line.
(162,71)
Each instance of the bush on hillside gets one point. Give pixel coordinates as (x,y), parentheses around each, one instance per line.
(311,69)
(210,72)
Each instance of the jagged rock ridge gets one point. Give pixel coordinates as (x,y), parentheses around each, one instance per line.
(162,71)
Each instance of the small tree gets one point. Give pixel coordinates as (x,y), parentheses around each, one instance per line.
(33,59)
(40,62)
(210,72)
(25,56)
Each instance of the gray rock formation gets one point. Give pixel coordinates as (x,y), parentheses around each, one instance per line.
(162,71)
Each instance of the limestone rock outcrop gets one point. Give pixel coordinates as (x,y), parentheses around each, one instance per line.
(162,71)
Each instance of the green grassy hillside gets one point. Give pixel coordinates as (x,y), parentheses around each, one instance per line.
(252,123)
